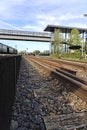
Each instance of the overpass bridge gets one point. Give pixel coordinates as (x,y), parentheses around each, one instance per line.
(25,35)
(38,36)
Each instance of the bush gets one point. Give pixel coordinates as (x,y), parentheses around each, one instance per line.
(56,55)
(75,55)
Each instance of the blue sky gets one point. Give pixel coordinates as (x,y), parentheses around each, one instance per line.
(35,15)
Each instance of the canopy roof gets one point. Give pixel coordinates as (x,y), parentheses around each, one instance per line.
(64,29)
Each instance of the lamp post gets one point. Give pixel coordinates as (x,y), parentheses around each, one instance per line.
(27,50)
(85,15)
(15,46)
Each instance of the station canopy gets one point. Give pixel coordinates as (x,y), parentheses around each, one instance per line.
(64,29)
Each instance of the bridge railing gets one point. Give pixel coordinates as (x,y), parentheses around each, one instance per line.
(25,33)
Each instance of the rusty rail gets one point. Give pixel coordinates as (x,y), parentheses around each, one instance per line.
(80,86)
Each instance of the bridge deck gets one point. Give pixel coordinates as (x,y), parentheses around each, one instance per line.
(25,35)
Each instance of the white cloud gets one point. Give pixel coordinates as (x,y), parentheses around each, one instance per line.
(9,7)
(47,17)
(35,15)
(77,24)
(5,25)
(31,28)
(51,2)
(69,16)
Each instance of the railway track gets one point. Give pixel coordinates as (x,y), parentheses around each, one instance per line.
(66,123)
(70,62)
(76,67)
(60,108)
(78,86)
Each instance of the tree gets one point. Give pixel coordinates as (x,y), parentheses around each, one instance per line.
(23,52)
(74,37)
(75,40)
(57,39)
(36,52)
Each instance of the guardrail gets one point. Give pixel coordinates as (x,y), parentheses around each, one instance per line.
(25,33)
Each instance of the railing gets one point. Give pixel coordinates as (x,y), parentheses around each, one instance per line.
(25,33)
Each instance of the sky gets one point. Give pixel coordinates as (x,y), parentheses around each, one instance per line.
(35,15)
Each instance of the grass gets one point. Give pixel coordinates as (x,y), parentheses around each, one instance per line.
(70,56)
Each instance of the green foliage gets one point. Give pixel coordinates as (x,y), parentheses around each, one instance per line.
(36,52)
(70,56)
(75,55)
(57,39)
(74,44)
(74,37)
(56,55)
(22,52)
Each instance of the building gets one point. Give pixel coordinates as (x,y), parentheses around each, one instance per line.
(65,30)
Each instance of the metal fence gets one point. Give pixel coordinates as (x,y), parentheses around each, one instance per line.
(25,33)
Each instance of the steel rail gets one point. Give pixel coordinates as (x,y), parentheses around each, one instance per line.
(80,88)
(57,67)
(68,62)
(79,82)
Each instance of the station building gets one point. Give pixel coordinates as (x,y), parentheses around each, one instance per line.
(66,30)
